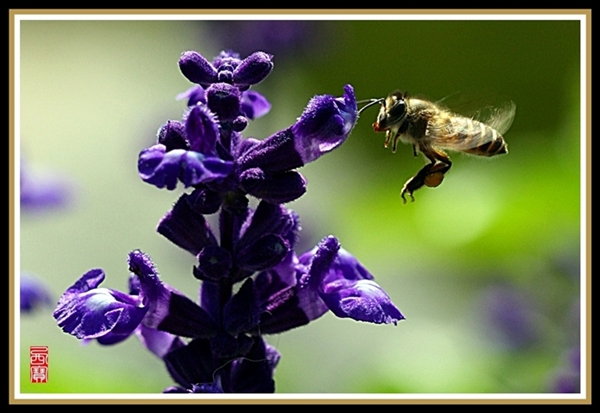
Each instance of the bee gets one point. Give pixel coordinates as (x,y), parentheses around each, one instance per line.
(431,129)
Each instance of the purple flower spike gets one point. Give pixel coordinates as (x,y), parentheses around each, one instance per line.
(252,282)
(87,312)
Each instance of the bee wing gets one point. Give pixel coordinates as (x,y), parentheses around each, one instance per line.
(486,107)
(460,133)
(500,118)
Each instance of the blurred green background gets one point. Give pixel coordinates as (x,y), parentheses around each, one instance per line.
(485,267)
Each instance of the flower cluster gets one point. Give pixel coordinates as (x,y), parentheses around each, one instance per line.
(252,281)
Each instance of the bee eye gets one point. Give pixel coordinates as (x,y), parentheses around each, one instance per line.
(397,110)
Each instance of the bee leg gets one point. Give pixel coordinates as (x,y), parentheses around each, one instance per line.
(430,175)
(416,182)
(391,136)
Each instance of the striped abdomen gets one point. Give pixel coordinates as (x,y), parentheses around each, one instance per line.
(477,138)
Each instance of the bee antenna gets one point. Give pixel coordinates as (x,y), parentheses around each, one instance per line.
(369,103)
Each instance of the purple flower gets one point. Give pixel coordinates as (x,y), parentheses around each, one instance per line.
(252,282)
(89,312)
(511,316)
(42,191)
(34,293)
(325,278)
(205,150)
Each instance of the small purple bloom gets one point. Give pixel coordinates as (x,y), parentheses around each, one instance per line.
(511,316)
(86,311)
(346,287)
(323,126)
(34,293)
(89,312)
(197,69)
(326,278)
(42,191)
(186,227)
(164,169)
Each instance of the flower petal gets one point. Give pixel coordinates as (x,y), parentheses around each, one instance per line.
(201,130)
(89,312)
(254,105)
(278,188)
(186,227)
(361,300)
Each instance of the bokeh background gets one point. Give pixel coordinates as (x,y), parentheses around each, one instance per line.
(486,267)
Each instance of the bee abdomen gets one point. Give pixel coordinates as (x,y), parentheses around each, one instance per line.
(494,142)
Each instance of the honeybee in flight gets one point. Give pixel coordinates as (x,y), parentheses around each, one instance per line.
(431,128)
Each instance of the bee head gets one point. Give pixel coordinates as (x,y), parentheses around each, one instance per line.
(392,112)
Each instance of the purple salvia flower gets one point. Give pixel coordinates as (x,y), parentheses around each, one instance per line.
(326,278)
(252,281)
(164,169)
(86,311)
(110,316)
